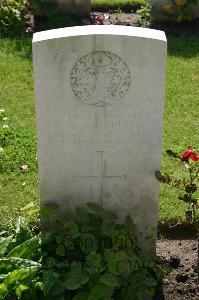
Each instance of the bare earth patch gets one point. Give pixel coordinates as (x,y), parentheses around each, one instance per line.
(181,283)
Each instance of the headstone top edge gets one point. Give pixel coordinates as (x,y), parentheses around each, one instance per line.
(114,30)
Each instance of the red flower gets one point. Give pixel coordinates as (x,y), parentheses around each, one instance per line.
(99,19)
(189,154)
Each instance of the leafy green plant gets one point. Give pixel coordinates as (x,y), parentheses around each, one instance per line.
(180,10)
(188,183)
(118,19)
(91,257)
(20,267)
(144,15)
(95,258)
(12,20)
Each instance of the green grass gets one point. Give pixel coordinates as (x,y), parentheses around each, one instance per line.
(181,123)
(181,118)
(114,4)
(18,141)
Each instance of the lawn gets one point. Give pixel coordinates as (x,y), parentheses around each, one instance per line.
(99,4)
(181,123)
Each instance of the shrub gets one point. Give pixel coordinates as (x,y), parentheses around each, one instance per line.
(144,15)
(12,20)
(94,258)
(180,10)
(89,258)
(20,267)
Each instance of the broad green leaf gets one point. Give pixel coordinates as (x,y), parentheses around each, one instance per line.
(81,296)
(164,178)
(82,215)
(98,209)
(100,291)
(121,241)
(94,261)
(33,212)
(50,279)
(75,269)
(28,206)
(109,280)
(60,250)
(75,276)
(172,154)
(88,243)
(130,226)
(13,263)
(68,243)
(3,233)
(84,279)
(23,232)
(4,244)
(49,210)
(20,289)
(71,229)
(118,263)
(3,277)
(72,284)
(27,249)
(19,275)
(3,291)
(150,282)
(108,228)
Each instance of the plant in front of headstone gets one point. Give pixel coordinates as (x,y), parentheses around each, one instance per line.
(144,15)
(180,10)
(94,258)
(188,183)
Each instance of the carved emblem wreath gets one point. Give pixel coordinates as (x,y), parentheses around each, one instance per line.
(100,78)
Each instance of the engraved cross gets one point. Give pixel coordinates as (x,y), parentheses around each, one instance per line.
(101,176)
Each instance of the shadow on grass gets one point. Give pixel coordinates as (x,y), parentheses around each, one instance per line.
(21,45)
(182,37)
(187,47)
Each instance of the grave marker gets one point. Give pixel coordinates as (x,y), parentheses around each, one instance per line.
(99,104)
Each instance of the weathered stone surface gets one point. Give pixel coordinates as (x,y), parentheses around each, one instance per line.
(99,104)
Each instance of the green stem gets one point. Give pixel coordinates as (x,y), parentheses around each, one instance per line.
(195,176)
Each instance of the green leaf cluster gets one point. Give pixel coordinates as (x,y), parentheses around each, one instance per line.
(93,257)
(12,20)
(89,257)
(20,267)
(144,18)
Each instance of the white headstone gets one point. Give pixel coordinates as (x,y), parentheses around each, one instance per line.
(99,105)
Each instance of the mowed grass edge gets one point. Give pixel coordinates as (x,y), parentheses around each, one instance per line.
(115,4)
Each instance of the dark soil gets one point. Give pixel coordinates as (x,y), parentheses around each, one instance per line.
(181,283)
